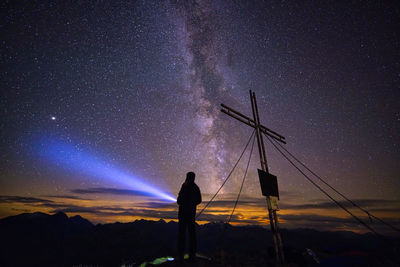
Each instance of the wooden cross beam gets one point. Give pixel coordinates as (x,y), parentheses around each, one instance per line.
(243,118)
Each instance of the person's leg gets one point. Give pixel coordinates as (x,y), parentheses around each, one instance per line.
(181,238)
(192,240)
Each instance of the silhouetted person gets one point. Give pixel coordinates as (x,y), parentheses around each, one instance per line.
(189,197)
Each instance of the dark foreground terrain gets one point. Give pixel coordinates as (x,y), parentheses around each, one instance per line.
(38,239)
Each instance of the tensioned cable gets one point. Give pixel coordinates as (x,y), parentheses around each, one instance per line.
(240,190)
(230,173)
(323,191)
(331,187)
(244,178)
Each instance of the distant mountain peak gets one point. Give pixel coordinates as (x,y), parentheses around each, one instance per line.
(60,215)
(77,219)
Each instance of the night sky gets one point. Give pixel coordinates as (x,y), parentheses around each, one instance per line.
(134,88)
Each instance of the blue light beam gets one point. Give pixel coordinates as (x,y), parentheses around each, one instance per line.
(69,156)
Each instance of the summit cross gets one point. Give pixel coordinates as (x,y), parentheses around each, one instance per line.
(271,200)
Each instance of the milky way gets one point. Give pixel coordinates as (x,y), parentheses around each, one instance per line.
(206,87)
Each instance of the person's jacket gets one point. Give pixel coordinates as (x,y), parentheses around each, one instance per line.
(189,197)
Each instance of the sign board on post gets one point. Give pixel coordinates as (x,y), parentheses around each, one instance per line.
(274,202)
(268,183)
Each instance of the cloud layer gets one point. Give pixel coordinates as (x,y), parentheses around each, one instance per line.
(320,214)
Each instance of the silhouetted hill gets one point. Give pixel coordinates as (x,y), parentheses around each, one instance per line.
(80,223)
(33,239)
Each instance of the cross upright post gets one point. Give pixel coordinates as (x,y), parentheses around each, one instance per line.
(255,123)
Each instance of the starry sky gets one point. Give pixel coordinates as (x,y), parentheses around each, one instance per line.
(136,86)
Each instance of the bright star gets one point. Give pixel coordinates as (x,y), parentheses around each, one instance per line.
(53,118)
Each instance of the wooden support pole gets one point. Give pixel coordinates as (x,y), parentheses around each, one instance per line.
(264,167)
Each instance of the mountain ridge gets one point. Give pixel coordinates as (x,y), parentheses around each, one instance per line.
(57,239)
